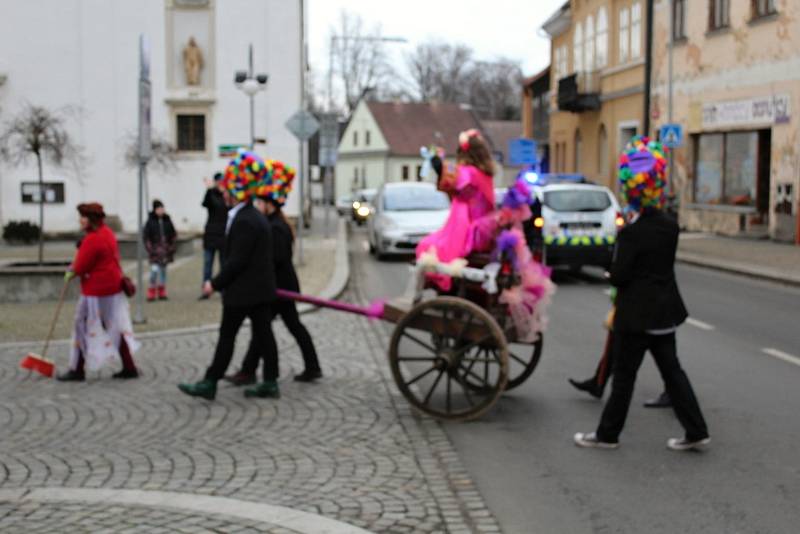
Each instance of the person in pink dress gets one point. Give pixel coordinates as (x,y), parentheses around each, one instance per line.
(472,192)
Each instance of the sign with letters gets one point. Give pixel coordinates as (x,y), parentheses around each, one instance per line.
(772,109)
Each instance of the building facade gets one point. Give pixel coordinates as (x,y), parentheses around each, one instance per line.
(536,114)
(597,84)
(86,56)
(735,89)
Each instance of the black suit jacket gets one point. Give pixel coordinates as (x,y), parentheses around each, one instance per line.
(643,271)
(286,276)
(247,277)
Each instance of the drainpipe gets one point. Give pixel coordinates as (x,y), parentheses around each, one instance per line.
(648,65)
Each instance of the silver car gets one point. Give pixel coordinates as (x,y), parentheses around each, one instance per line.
(404,213)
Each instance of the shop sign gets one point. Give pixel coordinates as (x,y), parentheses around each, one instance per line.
(773,109)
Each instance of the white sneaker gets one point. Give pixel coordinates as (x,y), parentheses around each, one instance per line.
(589,440)
(682,444)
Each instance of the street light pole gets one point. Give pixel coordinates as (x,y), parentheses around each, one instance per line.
(670,186)
(251,83)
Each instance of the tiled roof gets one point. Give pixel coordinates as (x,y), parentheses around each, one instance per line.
(408,126)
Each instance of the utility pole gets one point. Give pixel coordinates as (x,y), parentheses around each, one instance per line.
(648,65)
(144,149)
(670,187)
(302,166)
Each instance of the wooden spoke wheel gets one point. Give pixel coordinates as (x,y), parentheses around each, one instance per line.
(522,361)
(437,346)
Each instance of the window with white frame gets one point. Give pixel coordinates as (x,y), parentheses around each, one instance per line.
(588,44)
(636,30)
(624,34)
(563,60)
(577,48)
(601,39)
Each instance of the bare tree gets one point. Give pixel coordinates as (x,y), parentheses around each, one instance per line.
(40,133)
(162,152)
(360,61)
(494,89)
(439,71)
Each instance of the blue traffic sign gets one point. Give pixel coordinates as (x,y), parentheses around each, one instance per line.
(671,135)
(522,152)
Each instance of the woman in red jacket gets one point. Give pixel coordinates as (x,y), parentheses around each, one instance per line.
(103,328)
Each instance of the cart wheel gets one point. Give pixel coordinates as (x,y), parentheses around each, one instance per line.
(522,361)
(440,344)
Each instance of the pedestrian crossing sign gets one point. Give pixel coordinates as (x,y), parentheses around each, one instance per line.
(671,135)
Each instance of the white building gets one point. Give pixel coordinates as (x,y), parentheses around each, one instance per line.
(85,53)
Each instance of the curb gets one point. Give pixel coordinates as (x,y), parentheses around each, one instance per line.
(335,287)
(767,274)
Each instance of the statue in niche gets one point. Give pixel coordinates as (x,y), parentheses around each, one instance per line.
(192,62)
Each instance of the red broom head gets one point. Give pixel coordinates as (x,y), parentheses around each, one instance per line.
(34,362)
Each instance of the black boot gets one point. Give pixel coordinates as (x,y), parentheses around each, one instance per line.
(308,376)
(72,376)
(126,374)
(589,386)
(662,401)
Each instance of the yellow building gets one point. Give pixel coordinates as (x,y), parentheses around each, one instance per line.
(736,85)
(597,84)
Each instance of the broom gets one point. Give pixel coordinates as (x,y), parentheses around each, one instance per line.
(40,364)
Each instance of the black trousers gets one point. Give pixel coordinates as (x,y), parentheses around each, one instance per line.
(288,313)
(629,352)
(263,341)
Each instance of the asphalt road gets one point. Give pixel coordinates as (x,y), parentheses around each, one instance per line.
(741,349)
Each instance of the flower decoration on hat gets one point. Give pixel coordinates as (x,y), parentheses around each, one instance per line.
(244,174)
(277,182)
(642,173)
(465,136)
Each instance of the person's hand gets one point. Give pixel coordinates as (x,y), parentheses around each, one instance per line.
(208,289)
(69,275)
(209,183)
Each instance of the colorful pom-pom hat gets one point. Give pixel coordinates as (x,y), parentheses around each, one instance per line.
(642,173)
(277,182)
(244,174)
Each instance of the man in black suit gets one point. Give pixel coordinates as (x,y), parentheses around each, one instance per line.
(247,283)
(649,306)
(214,233)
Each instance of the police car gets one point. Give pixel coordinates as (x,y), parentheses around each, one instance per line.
(575,222)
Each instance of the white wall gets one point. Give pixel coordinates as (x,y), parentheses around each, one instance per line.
(85,54)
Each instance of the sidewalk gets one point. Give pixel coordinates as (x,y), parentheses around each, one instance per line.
(756,258)
(322,274)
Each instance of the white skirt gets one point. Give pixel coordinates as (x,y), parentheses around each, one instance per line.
(100,324)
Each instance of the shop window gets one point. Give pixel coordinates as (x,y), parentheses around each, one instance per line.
(191,133)
(624,34)
(763,8)
(718,14)
(636,30)
(405,172)
(678,20)
(729,168)
(601,39)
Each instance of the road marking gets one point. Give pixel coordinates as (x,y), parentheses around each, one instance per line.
(775,353)
(699,324)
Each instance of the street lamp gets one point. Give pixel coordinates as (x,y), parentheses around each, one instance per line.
(250,84)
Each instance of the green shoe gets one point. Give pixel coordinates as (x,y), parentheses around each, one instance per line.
(266,389)
(205,388)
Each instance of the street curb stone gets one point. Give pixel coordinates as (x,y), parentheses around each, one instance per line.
(772,275)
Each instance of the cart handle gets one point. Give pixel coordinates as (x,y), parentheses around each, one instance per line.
(373,311)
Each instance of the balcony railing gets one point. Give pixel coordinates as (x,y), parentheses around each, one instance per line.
(579,92)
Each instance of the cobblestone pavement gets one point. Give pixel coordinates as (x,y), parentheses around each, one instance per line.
(347,448)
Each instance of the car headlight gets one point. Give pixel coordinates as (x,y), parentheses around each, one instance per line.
(356,205)
(362,211)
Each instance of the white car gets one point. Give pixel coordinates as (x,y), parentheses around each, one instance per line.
(404,213)
(578,223)
(344,204)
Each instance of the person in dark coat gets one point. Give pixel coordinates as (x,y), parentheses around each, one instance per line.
(270,204)
(214,232)
(649,304)
(160,241)
(247,283)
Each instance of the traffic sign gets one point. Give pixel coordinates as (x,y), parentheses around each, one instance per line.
(328,139)
(303,125)
(522,151)
(671,135)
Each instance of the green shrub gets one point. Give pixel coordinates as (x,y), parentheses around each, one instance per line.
(24,231)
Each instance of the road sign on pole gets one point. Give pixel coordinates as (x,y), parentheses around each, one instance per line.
(145,149)
(522,151)
(671,135)
(328,140)
(303,125)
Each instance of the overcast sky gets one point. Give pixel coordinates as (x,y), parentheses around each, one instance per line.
(509,28)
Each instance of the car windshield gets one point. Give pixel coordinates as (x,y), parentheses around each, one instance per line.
(414,199)
(577,200)
(366,197)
